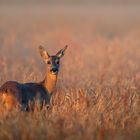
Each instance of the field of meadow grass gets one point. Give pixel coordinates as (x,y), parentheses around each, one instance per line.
(98,89)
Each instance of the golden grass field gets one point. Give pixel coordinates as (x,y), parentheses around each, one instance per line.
(98,90)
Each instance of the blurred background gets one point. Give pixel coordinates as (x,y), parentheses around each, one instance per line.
(103,37)
(98,89)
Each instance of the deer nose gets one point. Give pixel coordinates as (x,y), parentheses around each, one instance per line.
(54,70)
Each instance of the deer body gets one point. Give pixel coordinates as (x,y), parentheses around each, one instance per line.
(14,94)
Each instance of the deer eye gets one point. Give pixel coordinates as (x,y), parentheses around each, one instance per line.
(48,62)
(57,62)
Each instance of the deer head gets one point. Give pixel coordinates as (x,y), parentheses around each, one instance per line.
(52,61)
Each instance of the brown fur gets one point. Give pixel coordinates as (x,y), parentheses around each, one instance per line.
(14,94)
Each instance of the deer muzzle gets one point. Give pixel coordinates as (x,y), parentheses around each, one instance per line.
(54,70)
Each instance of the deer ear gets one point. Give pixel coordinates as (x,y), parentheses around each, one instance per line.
(44,54)
(61,52)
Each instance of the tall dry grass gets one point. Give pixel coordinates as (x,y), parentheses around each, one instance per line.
(98,90)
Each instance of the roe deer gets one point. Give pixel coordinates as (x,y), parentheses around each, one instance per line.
(15,94)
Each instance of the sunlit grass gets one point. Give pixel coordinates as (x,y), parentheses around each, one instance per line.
(97,95)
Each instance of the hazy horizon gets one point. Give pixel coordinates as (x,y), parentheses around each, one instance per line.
(124,2)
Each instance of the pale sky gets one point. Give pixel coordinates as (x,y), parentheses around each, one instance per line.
(70,1)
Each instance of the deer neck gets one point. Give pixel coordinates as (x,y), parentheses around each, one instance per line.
(50,82)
